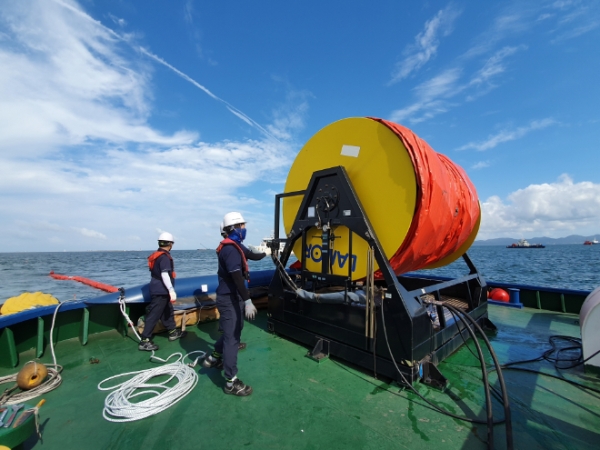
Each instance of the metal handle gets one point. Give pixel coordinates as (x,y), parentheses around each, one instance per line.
(12,416)
(3,413)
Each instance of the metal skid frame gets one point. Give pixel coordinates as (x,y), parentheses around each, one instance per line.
(358,334)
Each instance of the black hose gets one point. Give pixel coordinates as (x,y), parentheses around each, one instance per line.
(286,278)
(484,375)
(555,360)
(505,402)
(578,361)
(411,387)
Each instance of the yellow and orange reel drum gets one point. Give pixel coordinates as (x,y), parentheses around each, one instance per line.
(423,207)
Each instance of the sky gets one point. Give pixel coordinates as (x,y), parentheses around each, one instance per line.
(120,119)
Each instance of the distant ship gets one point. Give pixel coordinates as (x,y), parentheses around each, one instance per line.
(524,244)
(592,242)
(263,247)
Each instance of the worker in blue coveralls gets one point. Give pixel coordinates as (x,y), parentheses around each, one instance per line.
(233,301)
(162,294)
(254,256)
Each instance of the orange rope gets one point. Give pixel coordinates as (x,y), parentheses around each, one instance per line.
(87,281)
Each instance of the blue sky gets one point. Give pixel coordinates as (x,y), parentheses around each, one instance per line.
(121,119)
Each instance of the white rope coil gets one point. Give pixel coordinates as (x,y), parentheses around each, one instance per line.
(53,380)
(50,383)
(118,406)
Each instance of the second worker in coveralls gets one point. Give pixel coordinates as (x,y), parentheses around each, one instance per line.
(162,294)
(233,301)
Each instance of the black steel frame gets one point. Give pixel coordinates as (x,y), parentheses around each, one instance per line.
(416,346)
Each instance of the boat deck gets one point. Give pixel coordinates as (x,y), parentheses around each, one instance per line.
(301,404)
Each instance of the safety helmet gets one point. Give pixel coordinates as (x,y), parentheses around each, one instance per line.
(232,218)
(166,237)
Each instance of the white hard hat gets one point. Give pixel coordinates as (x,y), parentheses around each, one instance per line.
(232,218)
(166,237)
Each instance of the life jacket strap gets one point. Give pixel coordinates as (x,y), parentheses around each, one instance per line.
(154,256)
(228,241)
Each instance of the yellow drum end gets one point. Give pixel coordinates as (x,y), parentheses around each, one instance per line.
(382,174)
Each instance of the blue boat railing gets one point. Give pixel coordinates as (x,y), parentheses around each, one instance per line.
(29,331)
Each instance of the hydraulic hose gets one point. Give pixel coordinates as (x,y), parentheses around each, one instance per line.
(285,276)
(555,361)
(505,402)
(486,384)
(433,405)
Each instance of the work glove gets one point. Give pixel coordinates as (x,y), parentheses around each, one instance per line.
(250,310)
(172,295)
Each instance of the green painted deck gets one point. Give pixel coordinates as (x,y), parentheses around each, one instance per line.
(301,404)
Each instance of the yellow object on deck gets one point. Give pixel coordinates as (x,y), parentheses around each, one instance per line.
(27,300)
(31,375)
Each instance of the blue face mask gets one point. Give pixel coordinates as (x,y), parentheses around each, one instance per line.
(238,235)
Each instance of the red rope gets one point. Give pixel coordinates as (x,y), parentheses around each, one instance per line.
(87,281)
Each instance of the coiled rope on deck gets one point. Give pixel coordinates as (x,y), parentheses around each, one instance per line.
(119,407)
(53,380)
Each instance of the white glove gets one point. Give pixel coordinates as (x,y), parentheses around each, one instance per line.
(250,310)
(172,295)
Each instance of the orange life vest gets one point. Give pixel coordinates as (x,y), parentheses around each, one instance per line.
(157,254)
(245,268)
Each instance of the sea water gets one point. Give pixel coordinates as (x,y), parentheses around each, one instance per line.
(559,266)
(30,272)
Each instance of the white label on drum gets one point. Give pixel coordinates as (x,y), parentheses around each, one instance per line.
(205,288)
(350,150)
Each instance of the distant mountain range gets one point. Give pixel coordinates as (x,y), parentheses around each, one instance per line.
(573,239)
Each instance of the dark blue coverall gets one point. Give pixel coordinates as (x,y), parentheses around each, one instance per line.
(231,294)
(160,307)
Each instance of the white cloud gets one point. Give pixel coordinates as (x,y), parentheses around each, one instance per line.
(40,225)
(577,31)
(65,81)
(551,209)
(90,233)
(510,23)
(75,99)
(544,16)
(508,135)
(574,19)
(432,97)
(117,20)
(289,118)
(184,190)
(480,165)
(236,112)
(570,20)
(426,43)
(494,65)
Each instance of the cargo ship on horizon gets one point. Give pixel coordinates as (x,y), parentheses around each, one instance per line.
(524,244)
